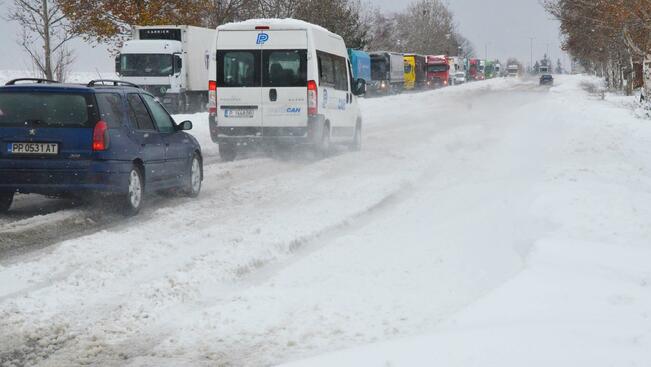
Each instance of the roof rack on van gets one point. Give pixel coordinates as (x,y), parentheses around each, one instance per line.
(115,83)
(35,80)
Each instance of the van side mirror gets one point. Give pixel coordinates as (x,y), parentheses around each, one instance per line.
(178,64)
(360,87)
(118,64)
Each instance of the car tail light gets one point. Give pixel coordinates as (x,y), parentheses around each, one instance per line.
(100,137)
(212,96)
(312,98)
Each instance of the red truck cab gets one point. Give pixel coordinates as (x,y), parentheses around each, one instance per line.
(474,70)
(438,71)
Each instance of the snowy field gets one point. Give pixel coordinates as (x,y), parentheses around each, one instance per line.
(493,224)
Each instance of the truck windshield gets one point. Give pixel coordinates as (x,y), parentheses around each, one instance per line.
(146,65)
(437,68)
(47,109)
(379,68)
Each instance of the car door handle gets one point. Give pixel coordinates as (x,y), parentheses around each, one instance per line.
(273,95)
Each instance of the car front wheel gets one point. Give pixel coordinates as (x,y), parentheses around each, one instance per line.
(193,186)
(6,198)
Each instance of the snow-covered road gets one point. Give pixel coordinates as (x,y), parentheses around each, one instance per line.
(281,259)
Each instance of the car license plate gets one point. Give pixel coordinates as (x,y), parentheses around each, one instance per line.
(239,113)
(33,148)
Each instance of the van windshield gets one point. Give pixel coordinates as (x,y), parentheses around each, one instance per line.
(47,109)
(146,65)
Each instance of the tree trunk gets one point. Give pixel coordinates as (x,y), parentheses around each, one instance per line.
(646,80)
(47,48)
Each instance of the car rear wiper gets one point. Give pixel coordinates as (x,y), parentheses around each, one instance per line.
(34,122)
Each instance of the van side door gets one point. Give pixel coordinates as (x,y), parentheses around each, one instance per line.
(333,87)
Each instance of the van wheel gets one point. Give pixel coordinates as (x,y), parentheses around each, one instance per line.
(356,144)
(227,151)
(193,186)
(324,144)
(6,198)
(133,200)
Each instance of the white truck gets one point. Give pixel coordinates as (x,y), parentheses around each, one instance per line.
(513,71)
(170,62)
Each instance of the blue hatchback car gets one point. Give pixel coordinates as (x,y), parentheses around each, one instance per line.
(108,137)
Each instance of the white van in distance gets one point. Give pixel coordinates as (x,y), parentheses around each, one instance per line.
(282,81)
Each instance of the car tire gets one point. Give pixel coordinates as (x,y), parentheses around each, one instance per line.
(227,151)
(6,199)
(356,144)
(193,186)
(134,199)
(324,145)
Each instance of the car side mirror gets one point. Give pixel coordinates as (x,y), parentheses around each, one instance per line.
(185,126)
(359,87)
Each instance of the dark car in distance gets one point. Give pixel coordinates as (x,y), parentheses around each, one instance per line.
(547,79)
(107,137)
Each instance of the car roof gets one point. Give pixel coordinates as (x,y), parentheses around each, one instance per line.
(65,87)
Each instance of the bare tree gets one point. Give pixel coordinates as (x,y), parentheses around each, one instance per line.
(427,27)
(44,34)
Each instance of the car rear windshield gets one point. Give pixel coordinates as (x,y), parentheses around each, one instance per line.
(47,109)
(255,68)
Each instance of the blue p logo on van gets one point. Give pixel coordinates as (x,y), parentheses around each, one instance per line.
(262,38)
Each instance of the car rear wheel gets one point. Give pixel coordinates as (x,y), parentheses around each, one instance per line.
(227,151)
(6,198)
(133,200)
(193,187)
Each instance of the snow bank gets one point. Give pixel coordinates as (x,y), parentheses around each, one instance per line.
(582,299)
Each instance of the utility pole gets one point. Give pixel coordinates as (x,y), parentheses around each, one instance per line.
(531,45)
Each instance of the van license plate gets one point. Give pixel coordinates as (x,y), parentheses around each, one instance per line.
(33,148)
(239,113)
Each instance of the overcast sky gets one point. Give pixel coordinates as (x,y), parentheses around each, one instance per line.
(503,27)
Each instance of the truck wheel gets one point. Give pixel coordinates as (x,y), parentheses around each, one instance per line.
(193,185)
(227,151)
(133,200)
(6,198)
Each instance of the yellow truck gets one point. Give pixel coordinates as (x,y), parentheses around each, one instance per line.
(415,71)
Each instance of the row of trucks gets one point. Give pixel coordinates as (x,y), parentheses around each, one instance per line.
(171,62)
(393,72)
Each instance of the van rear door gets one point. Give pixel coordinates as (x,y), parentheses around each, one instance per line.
(284,82)
(239,99)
